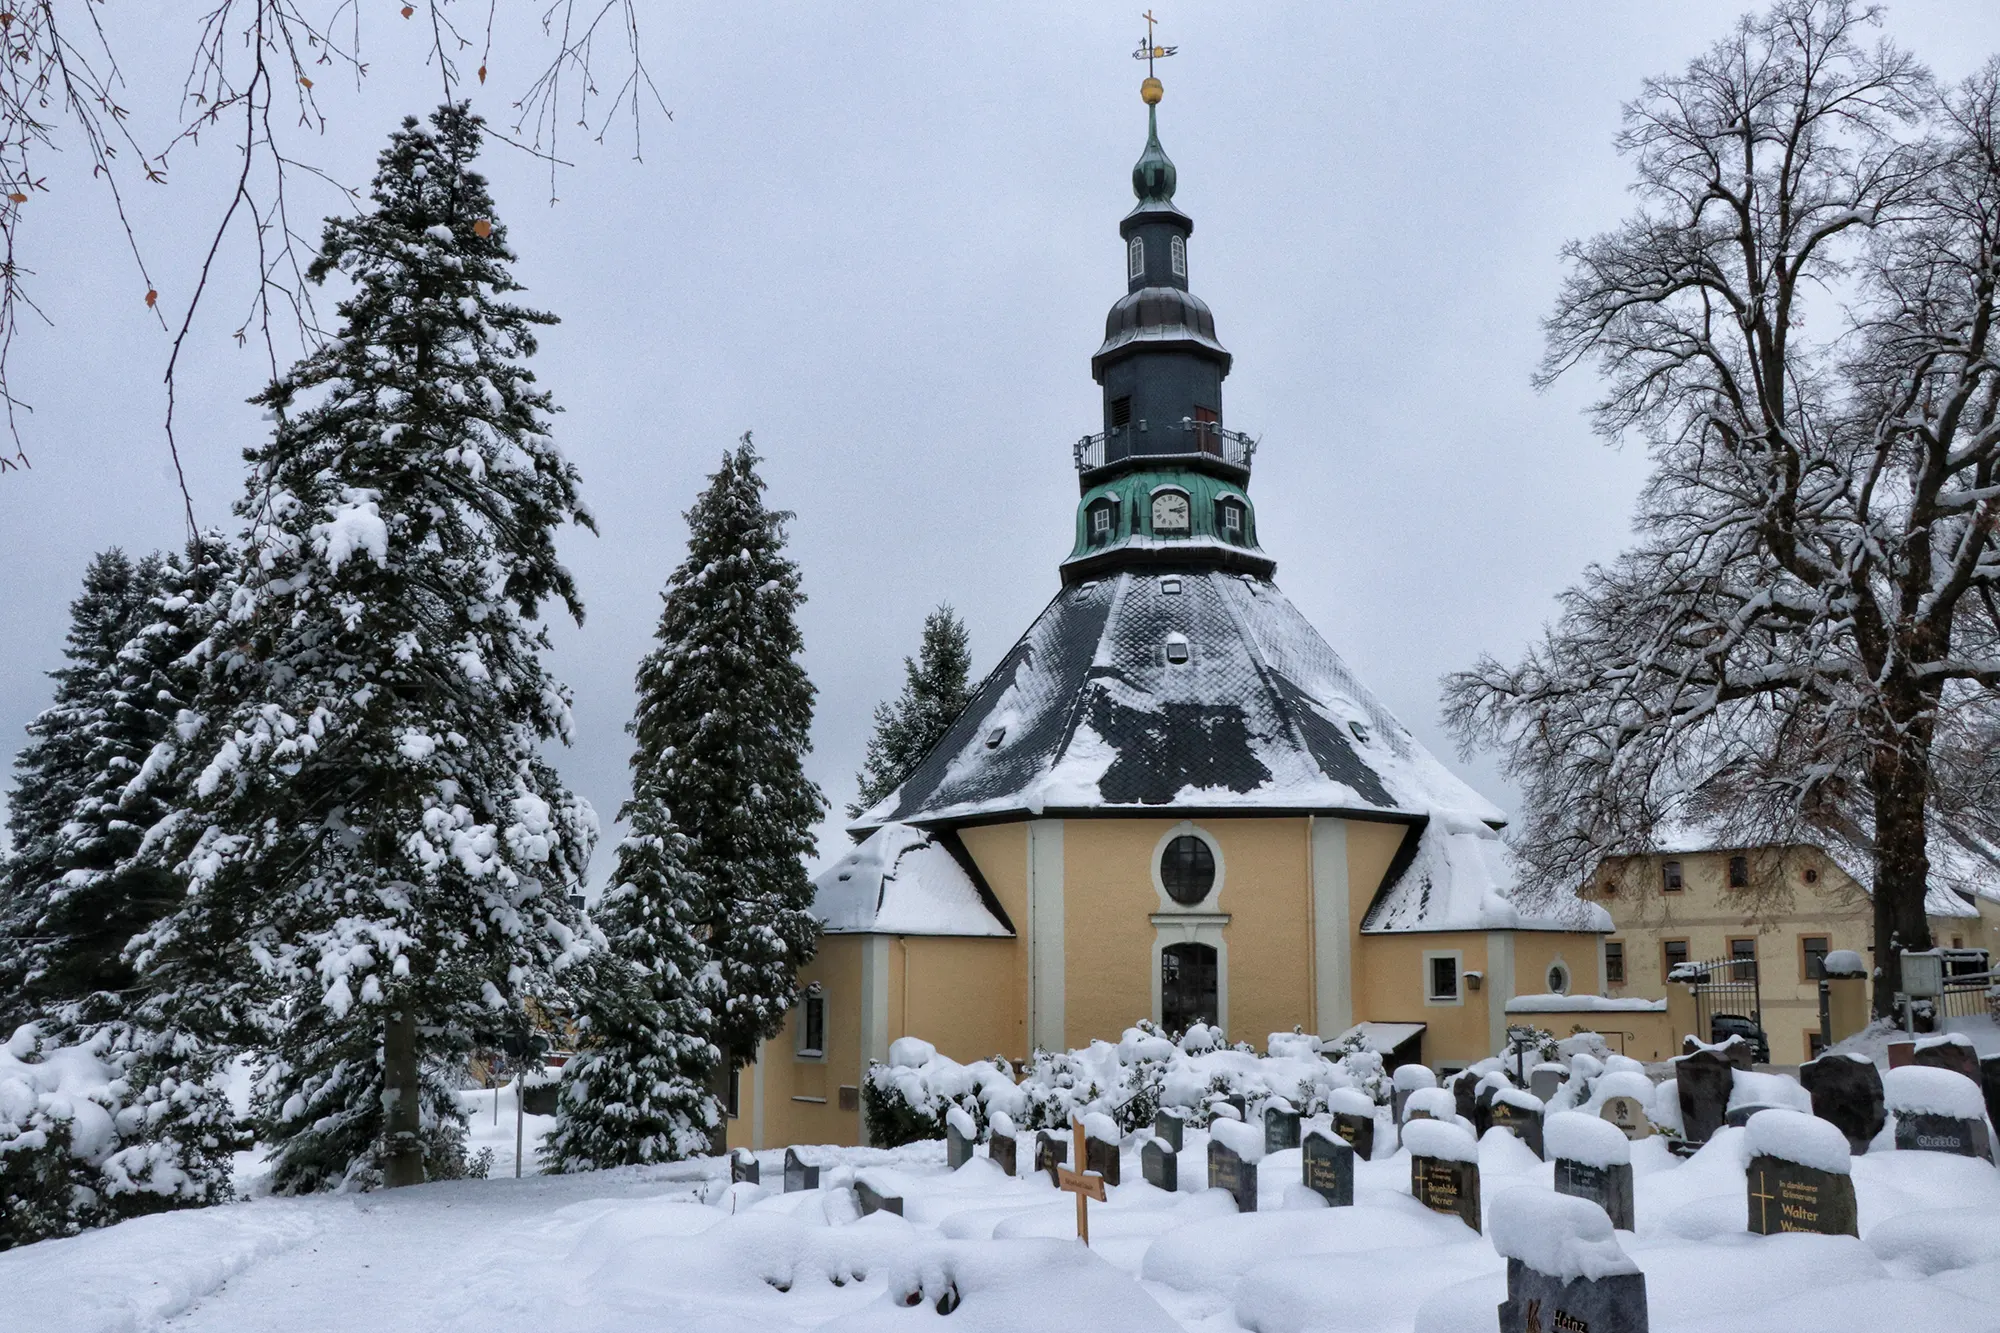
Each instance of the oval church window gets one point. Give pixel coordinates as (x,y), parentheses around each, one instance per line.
(1170,513)
(1187,869)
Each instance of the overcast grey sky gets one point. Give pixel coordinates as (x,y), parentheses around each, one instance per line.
(884,238)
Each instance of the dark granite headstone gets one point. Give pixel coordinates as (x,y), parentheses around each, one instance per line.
(1241,1103)
(1609,1187)
(1161,1165)
(872,1201)
(1101,1157)
(742,1167)
(1989,1083)
(1328,1167)
(957,1148)
(1739,1116)
(1358,1131)
(1050,1153)
(1482,1111)
(799,1176)
(1281,1129)
(1465,1092)
(1959,1059)
(1735,1052)
(1524,1123)
(1227,1171)
(1847,1093)
(1790,1196)
(1446,1186)
(1943,1133)
(1538,1303)
(1705,1079)
(1169,1126)
(1000,1147)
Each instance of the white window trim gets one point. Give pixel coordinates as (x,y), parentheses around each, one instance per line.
(1135,258)
(1457,957)
(1185,925)
(1177,250)
(1568,977)
(1209,906)
(801,1051)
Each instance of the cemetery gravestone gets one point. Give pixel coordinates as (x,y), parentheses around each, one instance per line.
(1847,1092)
(1281,1127)
(1465,1092)
(1942,1133)
(1242,1105)
(1404,1081)
(1050,1153)
(1228,1171)
(799,1176)
(1607,1294)
(1444,1169)
(742,1167)
(1358,1131)
(1168,1126)
(1739,1116)
(1000,1147)
(1544,1079)
(874,1201)
(1539,1303)
(1523,1122)
(1609,1187)
(1953,1052)
(957,1147)
(1328,1168)
(1704,1079)
(1482,1110)
(1161,1165)
(1937,1110)
(1593,1161)
(1101,1156)
(1790,1196)
(1629,1115)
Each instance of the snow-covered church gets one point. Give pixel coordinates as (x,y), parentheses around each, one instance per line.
(1171,799)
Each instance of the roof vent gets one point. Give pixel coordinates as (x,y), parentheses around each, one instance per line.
(1171,586)
(846,875)
(994,737)
(1360,732)
(1177,649)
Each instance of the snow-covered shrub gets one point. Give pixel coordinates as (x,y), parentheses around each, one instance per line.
(907,1099)
(88,1139)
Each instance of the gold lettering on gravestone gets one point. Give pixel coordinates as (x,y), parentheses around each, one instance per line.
(1440,1184)
(1568,1323)
(1798,1202)
(1348,1131)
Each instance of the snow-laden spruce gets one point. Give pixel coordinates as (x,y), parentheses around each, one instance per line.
(934,693)
(376,859)
(638,1090)
(722,728)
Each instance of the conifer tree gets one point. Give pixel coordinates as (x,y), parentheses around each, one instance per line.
(934,694)
(69,745)
(639,1090)
(376,857)
(722,725)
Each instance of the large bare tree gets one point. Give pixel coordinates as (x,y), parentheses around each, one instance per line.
(1797,322)
(252,68)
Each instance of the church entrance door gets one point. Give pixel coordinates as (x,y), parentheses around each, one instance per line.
(1188,987)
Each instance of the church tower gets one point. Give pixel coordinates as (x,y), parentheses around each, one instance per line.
(1165,482)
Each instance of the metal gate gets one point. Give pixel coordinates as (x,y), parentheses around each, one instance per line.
(1725,989)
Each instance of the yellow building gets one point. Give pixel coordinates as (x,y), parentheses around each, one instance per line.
(1784,906)
(1171,799)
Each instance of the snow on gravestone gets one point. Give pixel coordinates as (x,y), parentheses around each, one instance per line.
(1545,1078)
(1846,1091)
(743,1167)
(960,1134)
(1050,1154)
(1937,1110)
(1565,1270)
(1406,1080)
(1444,1168)
(799,1176)
(1100,1146)
(1327,1167)
(1426,1104)
(1354,1118)
(1948,1050)
(1519,1113)
(874,1198)
(1281,1125)
(1593,1161)
(1234,1149)
(1168,1125)
(1000,1140)
(1798,1175)
(1161,1164)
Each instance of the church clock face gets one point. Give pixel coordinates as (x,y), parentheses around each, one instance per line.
(1170,513)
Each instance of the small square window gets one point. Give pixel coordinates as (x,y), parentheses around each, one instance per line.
(1177,649)
(1100,521)
(1815,1044)
(1443,978)
(1614,962)
(1670,877)
(1170,586)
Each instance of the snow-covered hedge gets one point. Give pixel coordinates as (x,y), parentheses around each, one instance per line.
(86,1140)
(907,1098)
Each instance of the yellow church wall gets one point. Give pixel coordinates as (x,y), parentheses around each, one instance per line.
(964,996)
(800,1097)
(1391,990)
(1536,952)
(1001,853)
(1370,849)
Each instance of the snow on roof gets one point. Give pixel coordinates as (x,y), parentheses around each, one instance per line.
(1964,866)
(902,881)
(1382,1038)
(1583,1004)
(1462,878)
(1086,713)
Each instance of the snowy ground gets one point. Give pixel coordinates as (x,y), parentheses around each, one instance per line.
(679,1249)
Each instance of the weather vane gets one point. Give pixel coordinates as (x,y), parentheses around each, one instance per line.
(1150,90)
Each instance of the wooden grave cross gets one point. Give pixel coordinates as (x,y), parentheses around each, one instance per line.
(1083,1184)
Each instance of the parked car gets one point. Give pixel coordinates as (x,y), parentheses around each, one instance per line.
(1721,1027)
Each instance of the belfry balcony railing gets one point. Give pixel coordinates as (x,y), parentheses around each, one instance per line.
(1187,439)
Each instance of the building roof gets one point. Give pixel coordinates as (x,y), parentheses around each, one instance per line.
(904,881)
(1087,713)
(1461,877)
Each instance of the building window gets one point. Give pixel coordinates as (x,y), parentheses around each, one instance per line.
(1229,519)
(1812,957)
(1170,586)
(1812,874)
(1558,979)
(735,1093)
(1207,427)
(1189,986)
(1670,877)
(812,1023)
(1673,953)
(1135,259)
(1815,1043)
(1177,649)
(1739,872)
(1441,978)
(1170,513)
(1177,250)
(1103,519)
(1187,869)
(1743,949)
(1121,412)
(1614,962)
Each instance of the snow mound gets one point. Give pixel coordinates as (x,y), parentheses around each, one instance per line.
(1437,1103)
(1556,1234)
(1246,1141)
(1446,1142)
(1844,963)
(1585,1139)
(1922,1090)
(1798,1137)
(1409,1078)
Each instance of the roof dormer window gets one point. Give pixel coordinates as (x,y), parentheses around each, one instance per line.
(1229,520)
(1102,519)
(1177,649)
(1135,259)
(1177,251)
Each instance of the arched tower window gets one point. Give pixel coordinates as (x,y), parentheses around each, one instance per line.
(1135,259)
(1170,513)
(1188,990)
(1177,250)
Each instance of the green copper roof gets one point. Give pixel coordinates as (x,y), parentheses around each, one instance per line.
(1131,497)
(1153,173)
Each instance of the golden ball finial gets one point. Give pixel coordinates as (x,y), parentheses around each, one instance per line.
(1151,91)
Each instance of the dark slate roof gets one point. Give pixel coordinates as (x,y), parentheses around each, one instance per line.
(1086,713)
